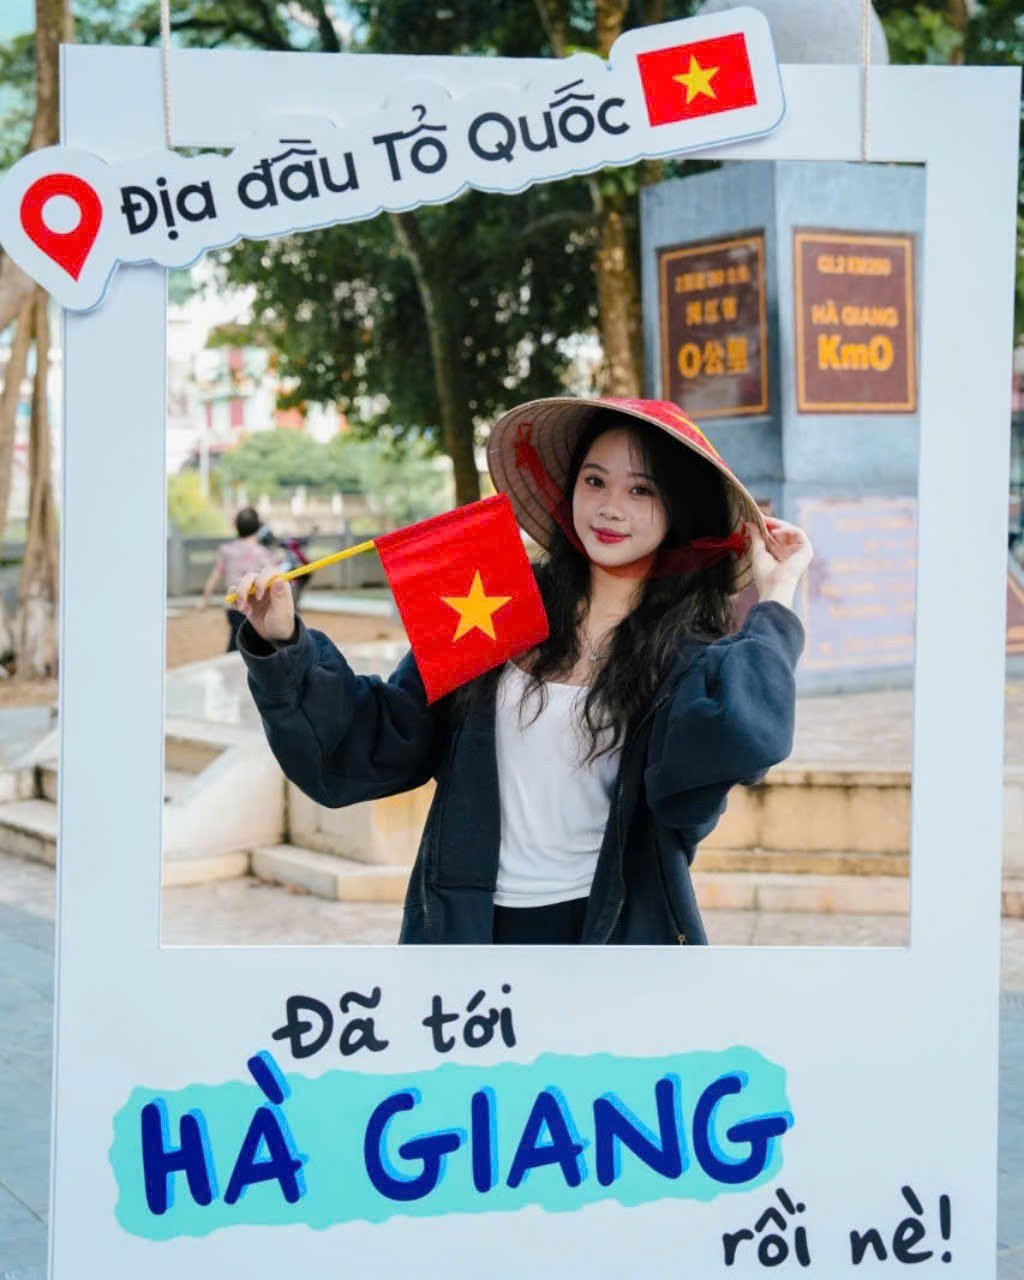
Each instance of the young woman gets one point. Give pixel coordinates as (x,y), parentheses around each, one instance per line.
(574,783)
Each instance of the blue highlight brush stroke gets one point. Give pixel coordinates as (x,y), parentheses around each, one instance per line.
(560,1132)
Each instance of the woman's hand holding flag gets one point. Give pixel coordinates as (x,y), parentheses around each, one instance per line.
(266,600)
(463,585)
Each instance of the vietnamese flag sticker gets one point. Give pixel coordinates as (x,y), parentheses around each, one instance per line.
(703,78)
(465,590)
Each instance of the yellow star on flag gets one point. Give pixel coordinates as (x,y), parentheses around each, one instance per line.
(475,610)
(697,80)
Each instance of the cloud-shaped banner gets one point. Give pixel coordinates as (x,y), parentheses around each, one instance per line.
(68,218)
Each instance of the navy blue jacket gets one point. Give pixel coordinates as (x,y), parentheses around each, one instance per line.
(724,714)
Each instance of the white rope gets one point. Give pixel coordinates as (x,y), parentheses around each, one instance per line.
(165,46)
(865,63)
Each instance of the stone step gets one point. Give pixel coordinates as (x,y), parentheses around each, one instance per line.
(802,862)
(817,809)
(220,866)
(185,753)
(824,895)
(17,784)
(329,876)
(821,894)
(1013,898)
(28,829)
(174,782)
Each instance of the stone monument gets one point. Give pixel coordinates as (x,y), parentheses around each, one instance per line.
(780,309)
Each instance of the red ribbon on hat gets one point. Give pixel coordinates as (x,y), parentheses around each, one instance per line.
(698,553)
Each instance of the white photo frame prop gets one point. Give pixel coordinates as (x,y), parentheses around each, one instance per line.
(879,1066)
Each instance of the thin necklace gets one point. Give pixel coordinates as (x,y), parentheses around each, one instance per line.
(593,655)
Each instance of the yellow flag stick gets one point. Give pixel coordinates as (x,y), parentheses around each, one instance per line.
(314,564)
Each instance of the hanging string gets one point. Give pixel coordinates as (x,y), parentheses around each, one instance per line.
(165,47)
(865,62)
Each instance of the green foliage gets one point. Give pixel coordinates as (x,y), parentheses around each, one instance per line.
(269,461)
(996,36)
(342,308)
(188,511)
(923,32)
(342,305)
(17,96)
(401,485)
(921,35)
(96,22)
(513,274)
(245,24)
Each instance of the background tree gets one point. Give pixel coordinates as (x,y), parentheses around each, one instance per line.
(35,640)
(611,198)
(269,461)
(99,22)
(189,513)
(401,484)
(973,32)
(492,283)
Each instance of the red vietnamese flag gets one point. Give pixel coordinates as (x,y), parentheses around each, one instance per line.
(465,590)
(698,79)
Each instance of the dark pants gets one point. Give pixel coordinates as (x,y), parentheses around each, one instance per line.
(560,923)
(235,620)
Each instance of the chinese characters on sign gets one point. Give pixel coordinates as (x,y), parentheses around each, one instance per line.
(855,324)
(713,327)
(857,598)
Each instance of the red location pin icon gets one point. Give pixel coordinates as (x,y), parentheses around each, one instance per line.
(69,249)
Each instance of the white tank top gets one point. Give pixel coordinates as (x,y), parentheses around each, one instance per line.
(553,810)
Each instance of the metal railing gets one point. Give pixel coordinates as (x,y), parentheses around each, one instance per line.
(189,561)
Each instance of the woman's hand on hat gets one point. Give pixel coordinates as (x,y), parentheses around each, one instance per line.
(778,564)
(267,605)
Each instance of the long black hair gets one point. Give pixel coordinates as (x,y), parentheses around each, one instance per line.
(669,606)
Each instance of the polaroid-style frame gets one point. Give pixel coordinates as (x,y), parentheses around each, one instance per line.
(881,1064)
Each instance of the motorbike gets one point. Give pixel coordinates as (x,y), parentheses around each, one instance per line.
(293,554)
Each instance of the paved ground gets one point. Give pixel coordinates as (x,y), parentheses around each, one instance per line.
(877,728)
(241,911)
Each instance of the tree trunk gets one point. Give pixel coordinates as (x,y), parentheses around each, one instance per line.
(14,376)
(609,15)
(443,335)
(15,290)
(618,289)
(618,292)
(554,18)
(958,12)
(53,26)
(35,627)
(618,302)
